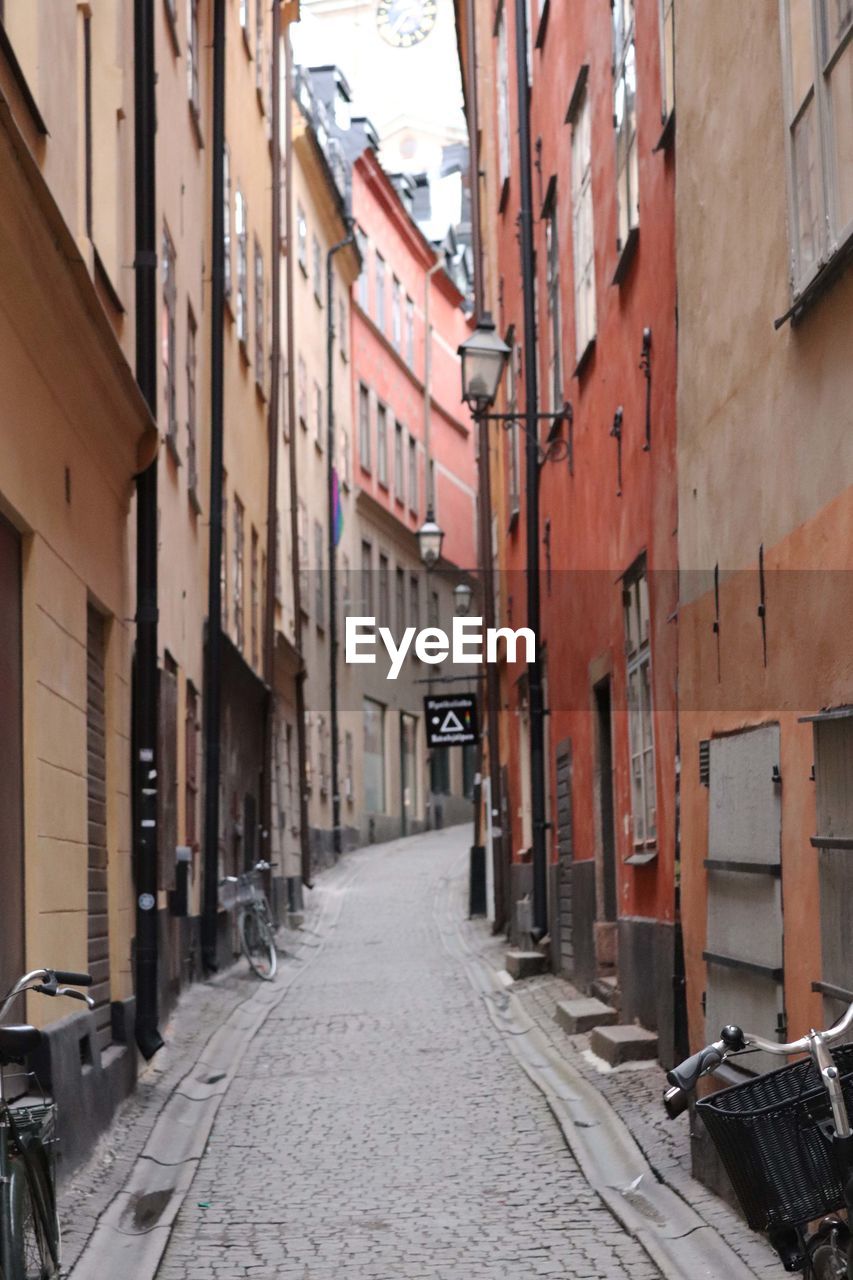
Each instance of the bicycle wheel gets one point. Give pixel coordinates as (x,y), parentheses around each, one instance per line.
(258,945)
(33,1221)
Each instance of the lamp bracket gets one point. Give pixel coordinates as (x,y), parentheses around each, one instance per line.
(555,449)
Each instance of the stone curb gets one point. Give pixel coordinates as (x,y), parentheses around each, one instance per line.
(133,1233)
(679,1243)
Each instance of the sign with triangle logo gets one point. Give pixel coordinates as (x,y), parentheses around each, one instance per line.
(451,720)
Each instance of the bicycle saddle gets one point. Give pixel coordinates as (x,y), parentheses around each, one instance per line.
(17,1042)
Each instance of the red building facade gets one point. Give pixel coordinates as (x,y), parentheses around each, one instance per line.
(601,114)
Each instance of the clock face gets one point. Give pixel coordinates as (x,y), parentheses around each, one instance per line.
(404,23)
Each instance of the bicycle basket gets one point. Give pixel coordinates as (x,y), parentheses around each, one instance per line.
(249,889)
(36,1121)
(228,894)
(773,1137)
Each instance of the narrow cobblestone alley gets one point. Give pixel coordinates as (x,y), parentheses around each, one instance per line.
(379,1127)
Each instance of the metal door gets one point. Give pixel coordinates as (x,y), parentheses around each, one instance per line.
(11,764)
(744,951)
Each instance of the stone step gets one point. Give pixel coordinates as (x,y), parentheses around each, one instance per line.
(524,964)
(607,990)
(624,1043)
(579,1016)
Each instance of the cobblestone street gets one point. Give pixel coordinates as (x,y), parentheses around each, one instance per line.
(379,1126)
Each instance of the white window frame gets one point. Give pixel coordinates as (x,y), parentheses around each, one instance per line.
(641,736)
(831,235)
(555,309)
(626,141)
(226,218)
(503,95)
(667,59)
(382,444)
(260,324)
(364,426)
(241,230)
(192,57)
(583,228)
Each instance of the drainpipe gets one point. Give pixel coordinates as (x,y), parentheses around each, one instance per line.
(273,446)
(349,238)
(213,666)
(501,873)
(293,471)
(534,668)
(146,703)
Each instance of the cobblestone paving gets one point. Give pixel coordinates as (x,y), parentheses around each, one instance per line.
(379,1127)
(635,1094)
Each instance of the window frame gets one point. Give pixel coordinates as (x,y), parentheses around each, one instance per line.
(382,444)
(226,222)
(241,231)
(260,319)
(636,601)
(503,106)
(379,271)
(625,56)
(667,60)
(583,225)
(192,421)
(833,240)
(193,90)
(412,476)
(169,339)
(364,426)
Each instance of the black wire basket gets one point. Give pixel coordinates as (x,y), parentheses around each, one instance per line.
(774,1136)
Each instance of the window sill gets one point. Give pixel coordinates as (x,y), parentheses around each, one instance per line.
(318,445)
(303,424)
(585,359)
(626,256)
(244,352)
(512,524)
(823,280)
(195,121)
(641,857)
(259,94)
(260,390)
(170,440)
(504,196)
(194,500)
(666,141)
(383,484)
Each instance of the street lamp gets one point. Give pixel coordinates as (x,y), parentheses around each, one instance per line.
(484,356)
(462,594)
(430,539)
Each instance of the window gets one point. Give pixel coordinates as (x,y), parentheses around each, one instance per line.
(317,270)
(255,599)
(503,96)
(667,58)
(301,239)
(399,601)
(226,218)
(410,333)
(819,116)
(343,328)
(384,591)
(345,459)
(192,450)
(319,557)
(635,599)
(374,756)
(244,17)
(364,426)
(241,230)
(399,481)
(431,498)
(413,475)
(302,537)
(434,611)
(349,767)
(346,584)
(625,120)
(302,392)
(363,282)
(414,602)
(323,755)
(366,579)
(259,47)
(396,314)
(168,341)
(239,632)
(582,229)
(318,415)
(382,445)
(192,56)
(555,325)
(513,439)
(380,291)
(259,316)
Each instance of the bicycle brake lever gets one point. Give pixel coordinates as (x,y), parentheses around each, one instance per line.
(75,995)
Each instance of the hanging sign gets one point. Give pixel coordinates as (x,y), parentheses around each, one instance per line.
(451,720)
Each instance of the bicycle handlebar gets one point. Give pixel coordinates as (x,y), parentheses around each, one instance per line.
(49,982)
(685,1077)
(73,979)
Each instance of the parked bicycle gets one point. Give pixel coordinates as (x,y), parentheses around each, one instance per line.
(29,1224)
(245,894)
(786,1142)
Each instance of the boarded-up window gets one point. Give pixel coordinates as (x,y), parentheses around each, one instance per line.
(744,951)
(167,777)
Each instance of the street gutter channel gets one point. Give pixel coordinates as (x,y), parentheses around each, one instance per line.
(133,1233)
(679,1243)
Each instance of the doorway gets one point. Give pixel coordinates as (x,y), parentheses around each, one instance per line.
(408,771)
(607,899)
